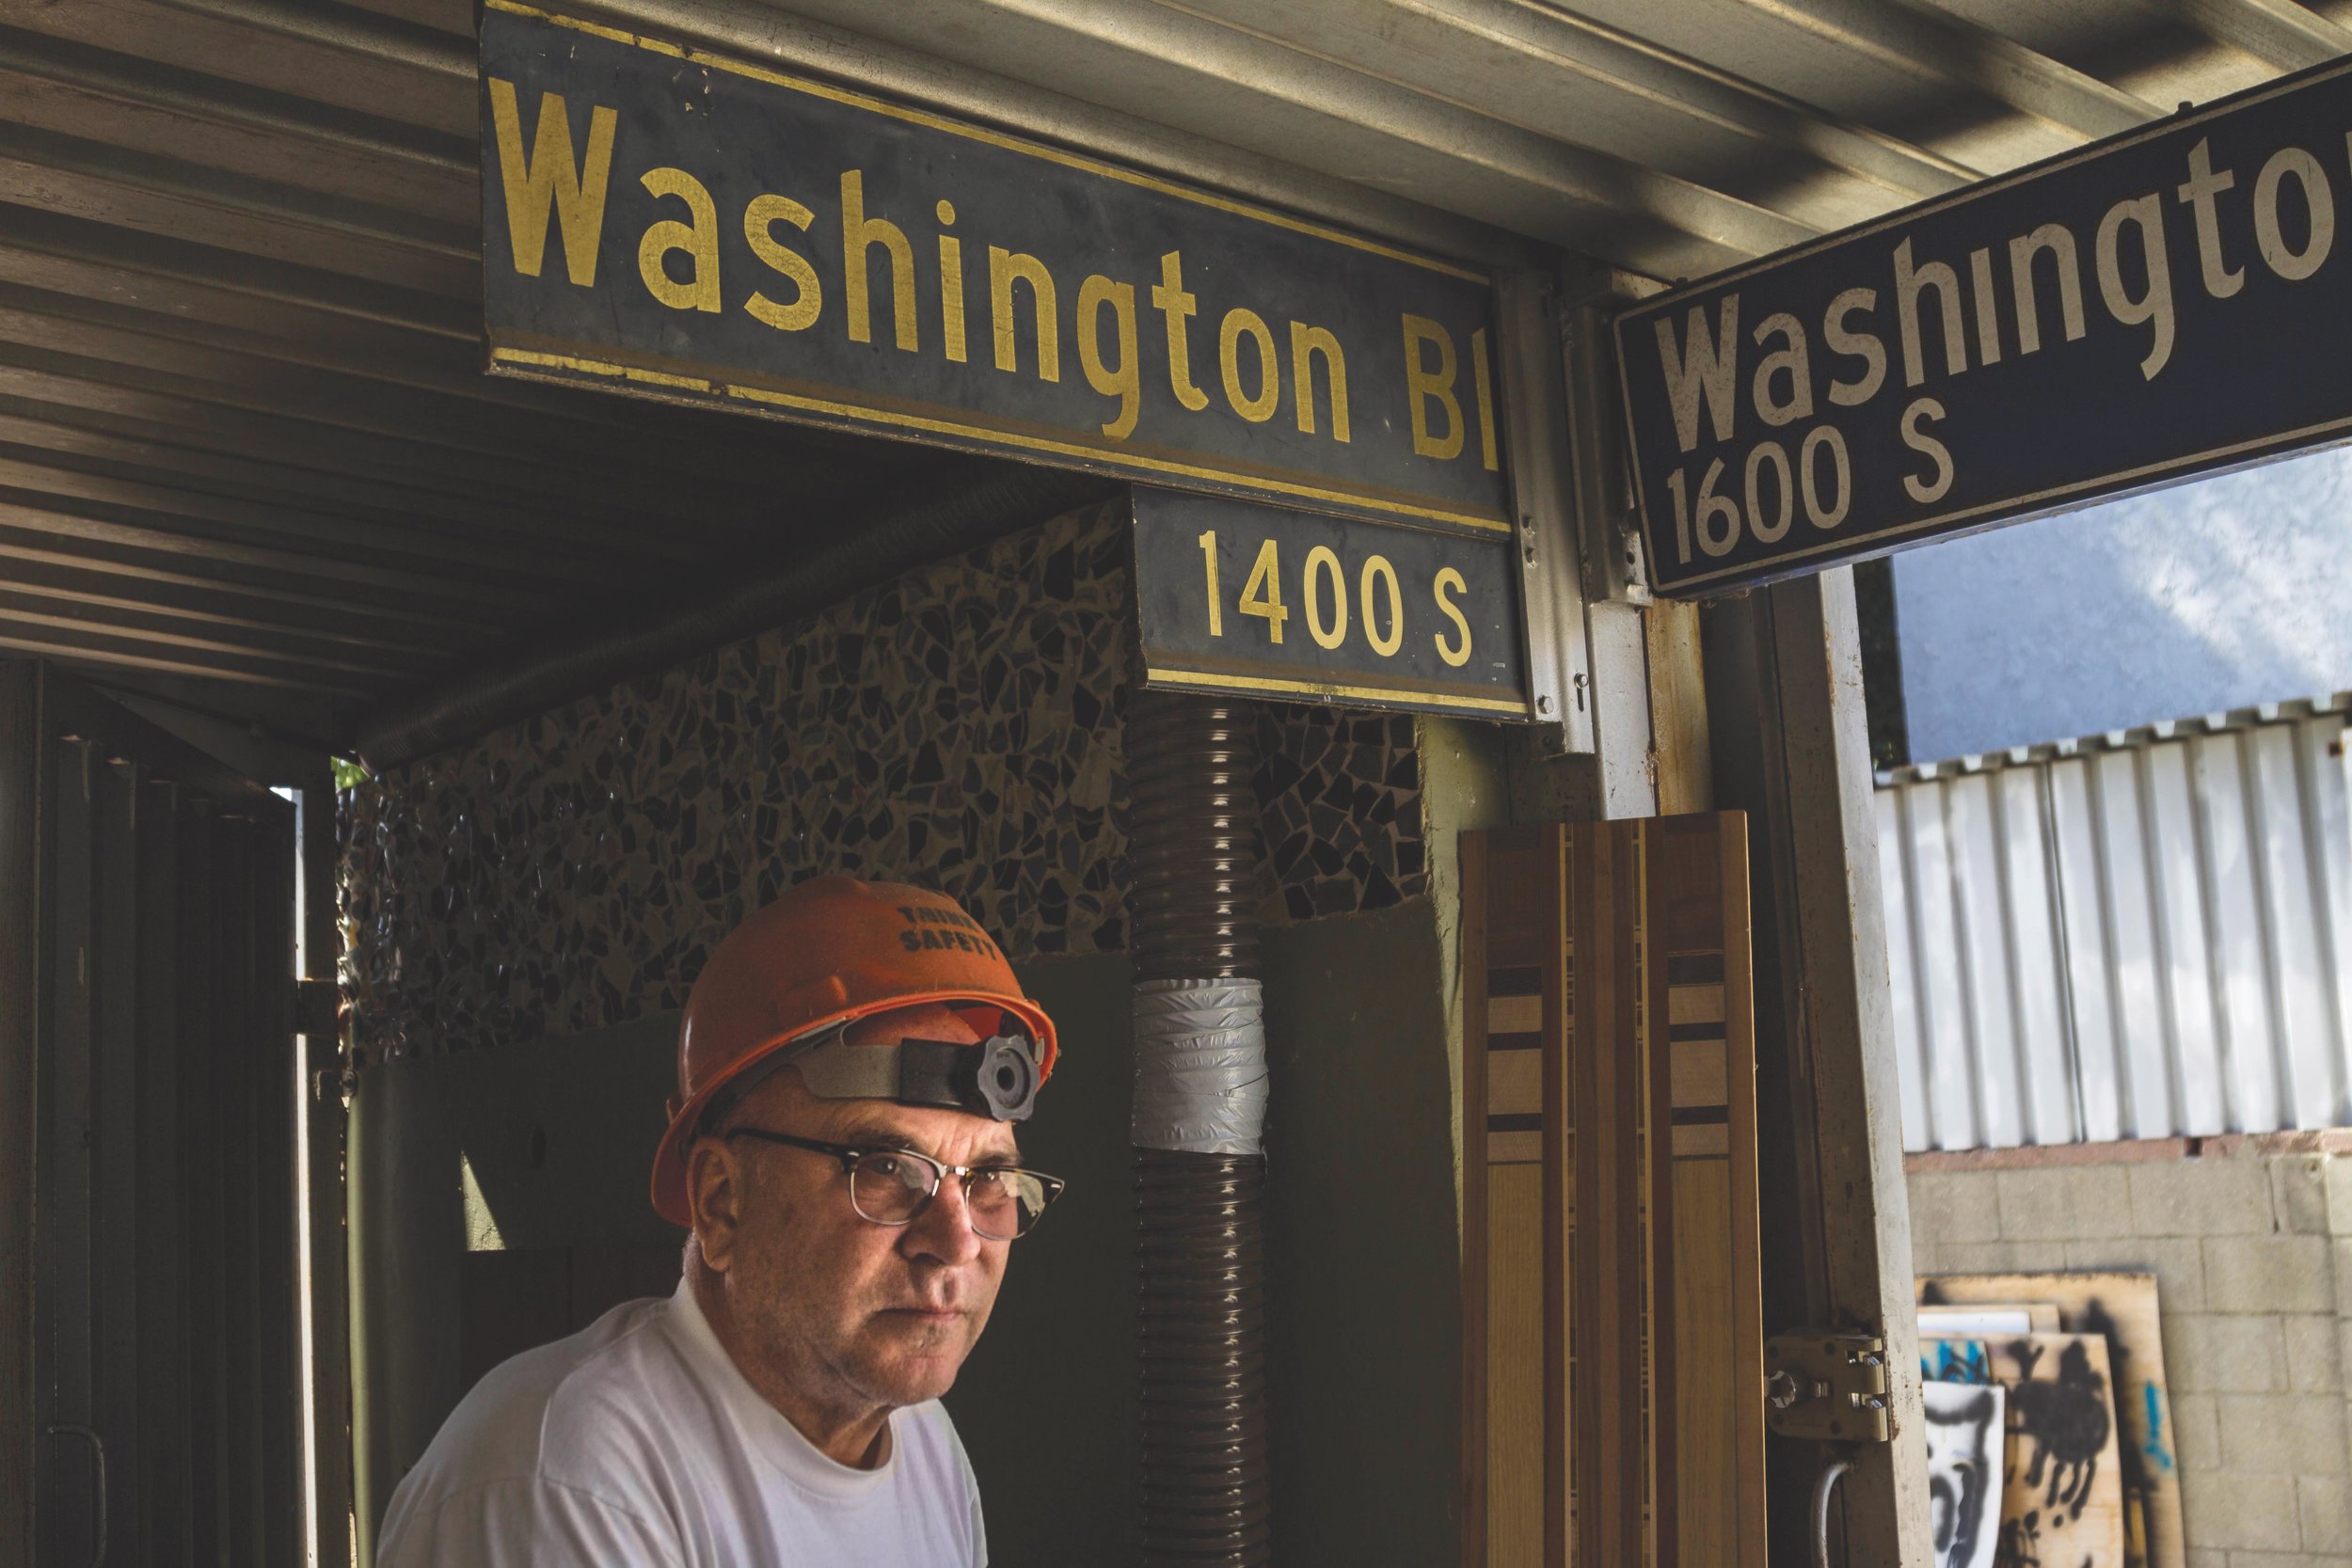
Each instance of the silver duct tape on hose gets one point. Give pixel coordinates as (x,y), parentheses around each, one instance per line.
(1200,1074)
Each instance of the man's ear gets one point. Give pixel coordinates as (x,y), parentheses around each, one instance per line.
(714,1196)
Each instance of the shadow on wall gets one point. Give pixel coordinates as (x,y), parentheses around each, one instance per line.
(2217,594)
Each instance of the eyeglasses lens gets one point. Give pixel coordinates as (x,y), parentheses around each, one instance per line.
(1005,1203)
(890,1189)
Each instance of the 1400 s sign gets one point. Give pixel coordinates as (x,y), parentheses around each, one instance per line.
(1263,601)
(2172,302)
(681,225)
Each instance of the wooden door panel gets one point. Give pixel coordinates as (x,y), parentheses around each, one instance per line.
(1613,1395)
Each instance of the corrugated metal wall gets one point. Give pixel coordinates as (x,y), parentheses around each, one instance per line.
(2133,936)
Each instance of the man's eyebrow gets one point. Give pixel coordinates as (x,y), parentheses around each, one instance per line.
(875,1137)
(882,1138)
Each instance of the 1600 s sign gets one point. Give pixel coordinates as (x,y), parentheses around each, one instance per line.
(681,224)
(2172,302)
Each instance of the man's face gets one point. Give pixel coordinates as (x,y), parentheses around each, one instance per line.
(847,1312)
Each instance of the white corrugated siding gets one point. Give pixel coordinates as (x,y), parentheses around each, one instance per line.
(2133,936)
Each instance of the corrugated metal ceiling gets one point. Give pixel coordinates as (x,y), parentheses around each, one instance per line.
(247,453)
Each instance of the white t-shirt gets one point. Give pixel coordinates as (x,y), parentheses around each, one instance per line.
(636,1442)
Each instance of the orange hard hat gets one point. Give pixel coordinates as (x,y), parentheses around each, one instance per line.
(830,952)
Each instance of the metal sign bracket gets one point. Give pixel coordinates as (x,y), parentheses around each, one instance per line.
(1551,574)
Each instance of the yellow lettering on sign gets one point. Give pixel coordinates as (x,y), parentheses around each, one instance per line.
(1258,409)
(1261,595)
(1456,653)
(1484,384)
(764,211)
(1169,299)
(1322,562)
(1377,570)
(1911,284)
(1005,269)
(547,180)
(1125,380)
(1216,608)
(1422,384)
(1793,361)
(1307,341)
(2059,242)
(1923,489)
(950,284)
(860,233)
(2154,307)
(699,240)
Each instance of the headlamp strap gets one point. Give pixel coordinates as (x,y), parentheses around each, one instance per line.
(997,1078)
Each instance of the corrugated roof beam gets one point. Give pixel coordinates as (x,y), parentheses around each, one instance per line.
(345,27)
(140,651)
(758,32)
(127,79)
(135,562)
(1632,65)
(1943,48)
(2279,32)
(1569,194)
(29,604)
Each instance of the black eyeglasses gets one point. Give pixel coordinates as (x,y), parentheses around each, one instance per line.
(890,1186)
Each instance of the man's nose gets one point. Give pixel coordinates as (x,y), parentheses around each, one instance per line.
(943,1228)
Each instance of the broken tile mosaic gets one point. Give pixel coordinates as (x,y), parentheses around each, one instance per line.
(959,727)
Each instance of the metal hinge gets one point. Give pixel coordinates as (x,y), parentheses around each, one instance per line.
(1826,1386)
(318,1007)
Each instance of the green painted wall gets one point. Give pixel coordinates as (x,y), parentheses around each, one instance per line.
(1046,1404)
(559,1137)
(1364,1271)
(1365,1344)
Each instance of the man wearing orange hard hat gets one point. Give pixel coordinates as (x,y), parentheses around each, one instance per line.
(853,1062)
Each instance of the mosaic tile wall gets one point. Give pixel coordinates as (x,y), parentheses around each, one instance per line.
(960,727)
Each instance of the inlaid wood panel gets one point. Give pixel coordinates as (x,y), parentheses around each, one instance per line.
(1613,1399)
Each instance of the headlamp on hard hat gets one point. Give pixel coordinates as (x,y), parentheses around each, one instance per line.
(997,1078)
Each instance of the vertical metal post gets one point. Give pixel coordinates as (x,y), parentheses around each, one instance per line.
(1601,657)
(1543,488)
(325,1262)
(1791,747)
(65,1308)
(117,1092)
(1617,584)
(270,852)
(22,911)
(163,1247)
(202,1199)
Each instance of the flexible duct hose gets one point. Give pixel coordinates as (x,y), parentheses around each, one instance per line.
(1200,1170)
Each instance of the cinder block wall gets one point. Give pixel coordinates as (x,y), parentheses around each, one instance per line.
(2250,1242)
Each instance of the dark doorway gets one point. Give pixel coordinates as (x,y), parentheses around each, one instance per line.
(147,1233)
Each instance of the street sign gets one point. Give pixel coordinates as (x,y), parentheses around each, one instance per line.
(679,224)
(2164,304)
(1259,601)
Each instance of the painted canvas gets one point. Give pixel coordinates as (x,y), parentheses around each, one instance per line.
(2062,1488)
(2122,1308)
(1966,1444)
(1954,1361)
(1958,1321)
